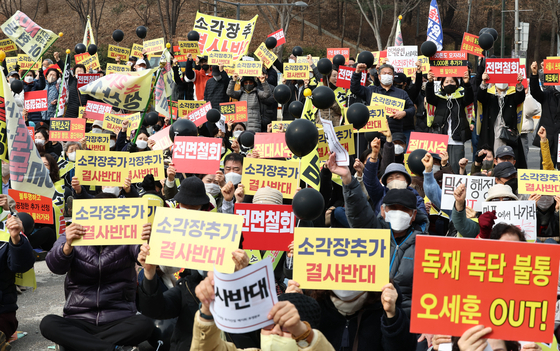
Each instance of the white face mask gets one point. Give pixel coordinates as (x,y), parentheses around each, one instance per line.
(112,190)
(386,79)
(399,149)
(223,150)
(347,295)
(151,130)
(273,342)
(28,79)
(72,156)
(436,168)
(233,177)
(237,133)
(52,80)
(212,189)
(5,170)
(40,141)
(96,130)
(142,144)
(501,86)
(140,69)
(112,143)
(398,220)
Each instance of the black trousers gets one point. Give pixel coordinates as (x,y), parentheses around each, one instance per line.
(78,335)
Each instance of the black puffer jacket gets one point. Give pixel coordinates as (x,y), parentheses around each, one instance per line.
(550,117)
(75,98)
(215,91)
(183,90)
(13,259)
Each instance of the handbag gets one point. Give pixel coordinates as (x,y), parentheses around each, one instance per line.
(508,136)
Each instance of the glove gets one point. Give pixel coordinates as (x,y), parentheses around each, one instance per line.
(133,148)
(478,159)
(486,222)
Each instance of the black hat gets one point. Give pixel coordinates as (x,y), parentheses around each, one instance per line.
(399,78)
(41,125)
(403,197)
(505,151)
(504,170)
(192,192)
(435,156)
(245,78)
(398,136)
(308,308)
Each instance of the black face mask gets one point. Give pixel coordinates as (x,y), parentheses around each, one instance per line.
(249,86)
(449,89)
(513,185)
(400,86)
(157,127)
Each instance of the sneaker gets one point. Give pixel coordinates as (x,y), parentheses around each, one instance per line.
(4,346)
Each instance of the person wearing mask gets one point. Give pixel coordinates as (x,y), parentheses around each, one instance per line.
(212,188)
(269,106)
(398,213)
(32,83)
(52,94)
(216,87)
(126,191)
(19,97)
(52,147)
(252,96)
(46,64)
(140,65)
(335,112)
(141,141)
(198,75)
(484,160)
(505,154)
(386,76)
(75,98)
(66,163)
(399,140)
(184,89)
(450,115)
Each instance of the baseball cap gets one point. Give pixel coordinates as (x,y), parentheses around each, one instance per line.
(140,61)
(403,197)
(504,170)
(505,151)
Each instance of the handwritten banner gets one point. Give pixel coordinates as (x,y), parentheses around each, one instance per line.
(476,187)
(234,111)
(470,45)
(197,154)
(280,175)
(402,56)
(271,145)
(67,129)
(39,207)
(266,227)
(522,214)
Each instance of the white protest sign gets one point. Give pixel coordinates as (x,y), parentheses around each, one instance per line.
(402,56)
(522,214)
(244,298)
(477,190)
(342,157)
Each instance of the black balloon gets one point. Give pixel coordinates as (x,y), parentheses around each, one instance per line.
(324,66)
(16,85)
(27,221)
(247,138)
(213,115)
(92,49)
(493,32)
(323,97)
(302,137)
(270,43)
(151,118)
(118,35)
(308,204)
(141,32)
(358,115)
(339,60)
(366,57)
(193,35)
(428,48)
(415,161)
(80,48)
(182,127)
(296,108)
(297,51)
(282,94)
(486,41)
(483,30)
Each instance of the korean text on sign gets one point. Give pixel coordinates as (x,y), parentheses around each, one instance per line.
(279,35)
(198,116)
(392,105)
(113,122)
(276,126)
(220,58)
(476,187)
(522,214)
(98,142)
(344,135)
(8,45)
(332,52)
(114,68)
(189,47)
(101,168)
(449,63)
(197,154)
(470,45)
(67,129)
(533,181)
(551,70)
(85,79)
(402,56)
(249,68)
(296,71)
(187,106)
(39,207)
(280,175)
(162,139)
(271,145)
(234,111)
(349,259)
(266,227)
(508,286)
(155,45)
(433,143)
(25,62)
(110,221)
(118,52)
(266,56)
(377,121)
(502,70)
(36,101)
(194,239)
(345,76)
(140,164)
(97,110)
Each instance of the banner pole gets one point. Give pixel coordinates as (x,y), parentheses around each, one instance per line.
(147,105)
(61,86)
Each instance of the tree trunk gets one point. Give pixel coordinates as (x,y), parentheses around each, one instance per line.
(552,38)
(302,26)
(537,35)
(319,30)
(359,34)
(343,24)
(162,21)
(338,14)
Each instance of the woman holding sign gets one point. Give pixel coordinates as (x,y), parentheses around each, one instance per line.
(253,96)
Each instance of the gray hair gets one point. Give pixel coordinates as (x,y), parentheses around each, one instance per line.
(49,61)
(385,65)
(70,143)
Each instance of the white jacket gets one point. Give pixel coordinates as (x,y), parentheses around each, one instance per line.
(531,108)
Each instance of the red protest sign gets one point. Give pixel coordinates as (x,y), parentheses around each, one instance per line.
(161,139)
(502,71)
(551,70)
(181,58)
(198,116)
(36,101)
(279,35)
(197,154)
(433,143)
(345,76)
(266,227)
(96,110)
(85,79)
(449,64)
(340,51)
(234,111)
(470,45)
(508,286)
(39,207)
(523,71)
(67,129)
(271,145)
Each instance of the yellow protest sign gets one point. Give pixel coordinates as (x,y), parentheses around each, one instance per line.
(194,239)
(155,45)
(134,122)
(220,58)
(303,59)
(266,56)
(280,175)
(114,68)
(27,35)
(377,120)
(153,204)
(98,142)
(110,221)
(345,259)
(345,136)
(296,71)
(534,181)
(276,126)
(115,52)
(375,57)
(189,47)
(136,50)
(425,62)
(11,63)
(249,68)
(143,163)
(224,34)
(82,112)
(310,169)
(90,61)
(113,122)
(188,106)
(391,104)
(103,168)
(8,45)
(27,279)
(25,62)
(230,70)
